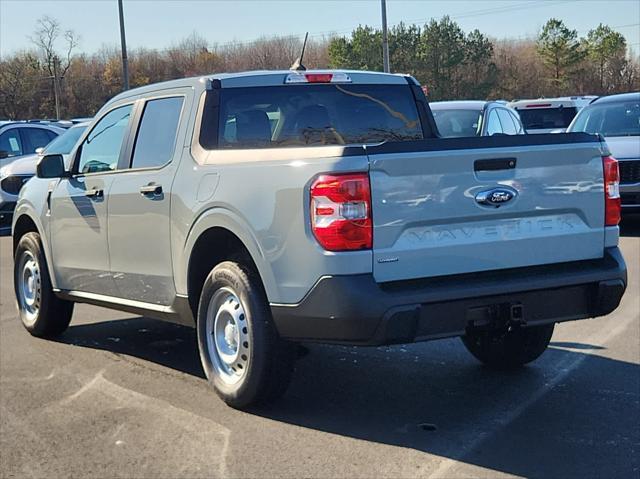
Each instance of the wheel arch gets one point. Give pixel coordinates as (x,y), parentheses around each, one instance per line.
(219,235)
(24,222)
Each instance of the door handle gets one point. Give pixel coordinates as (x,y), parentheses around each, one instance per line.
(495,164)
(151,189)
(94,193)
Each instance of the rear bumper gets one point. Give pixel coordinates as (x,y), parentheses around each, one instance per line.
(357,310)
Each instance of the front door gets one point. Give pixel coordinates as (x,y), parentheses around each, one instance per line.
(79,228)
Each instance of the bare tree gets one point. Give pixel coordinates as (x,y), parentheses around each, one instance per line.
(46,38)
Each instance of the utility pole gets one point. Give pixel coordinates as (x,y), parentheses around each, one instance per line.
(385,38)
(123,44)
(55,86)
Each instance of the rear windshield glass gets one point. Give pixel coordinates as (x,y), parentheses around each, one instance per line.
(315,115)
(457,123)
(610,119)
(547,118)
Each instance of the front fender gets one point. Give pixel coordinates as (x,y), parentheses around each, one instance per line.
(38,216)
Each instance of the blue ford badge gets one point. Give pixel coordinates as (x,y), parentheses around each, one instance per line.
(496,197)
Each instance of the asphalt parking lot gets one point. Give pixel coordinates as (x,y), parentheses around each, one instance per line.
(124,396)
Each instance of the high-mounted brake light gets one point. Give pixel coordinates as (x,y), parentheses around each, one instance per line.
(611,191)
(539,105)
(341,212)
(317,78)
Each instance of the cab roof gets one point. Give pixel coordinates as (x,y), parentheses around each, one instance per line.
(262,78)
(633,96)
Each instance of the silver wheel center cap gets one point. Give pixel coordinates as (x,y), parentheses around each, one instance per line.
(230,335)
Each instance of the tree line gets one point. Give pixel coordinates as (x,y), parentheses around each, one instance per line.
(52,77)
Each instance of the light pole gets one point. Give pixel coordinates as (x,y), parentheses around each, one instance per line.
(123,44)
(385,39)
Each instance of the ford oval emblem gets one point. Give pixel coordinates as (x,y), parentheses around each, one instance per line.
(496,197)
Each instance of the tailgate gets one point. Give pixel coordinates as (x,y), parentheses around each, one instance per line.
(463,205)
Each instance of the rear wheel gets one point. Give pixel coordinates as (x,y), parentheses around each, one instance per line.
(508,349)
(42,313)
(242,355)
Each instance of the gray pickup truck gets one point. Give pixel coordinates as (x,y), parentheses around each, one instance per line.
(266,208)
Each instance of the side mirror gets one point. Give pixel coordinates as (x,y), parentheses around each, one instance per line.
(51,166)
(4,154)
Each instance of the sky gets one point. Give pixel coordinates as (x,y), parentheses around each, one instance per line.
(161,23)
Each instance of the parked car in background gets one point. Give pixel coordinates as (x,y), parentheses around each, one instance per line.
(617,119)
(266,208)
(549,115)
(14,175)
(475,118)
(19,138)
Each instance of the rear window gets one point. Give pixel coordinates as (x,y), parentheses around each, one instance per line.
(547,118)
(610,119)
(457,123)
(314,115)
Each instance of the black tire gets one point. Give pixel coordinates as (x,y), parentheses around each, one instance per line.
(47,315)
(265,372)
(509,349)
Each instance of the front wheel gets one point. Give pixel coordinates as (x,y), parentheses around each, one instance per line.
(42,313)
(508,349)
(242,355)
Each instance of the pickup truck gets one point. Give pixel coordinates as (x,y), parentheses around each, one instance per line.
(268,208)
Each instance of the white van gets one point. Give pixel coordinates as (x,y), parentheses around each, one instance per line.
(549,115)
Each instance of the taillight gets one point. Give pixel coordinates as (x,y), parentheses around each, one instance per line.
(341,211)
(611,191)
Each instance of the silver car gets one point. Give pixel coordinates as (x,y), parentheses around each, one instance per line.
(617,119)
(19,170)
(475,118)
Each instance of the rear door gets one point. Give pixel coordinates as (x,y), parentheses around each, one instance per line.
(463,205)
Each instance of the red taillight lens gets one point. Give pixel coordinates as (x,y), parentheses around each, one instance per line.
(341,212)
(611,191)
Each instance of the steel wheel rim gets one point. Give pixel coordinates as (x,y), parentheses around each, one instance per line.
(29,286)
(228,336)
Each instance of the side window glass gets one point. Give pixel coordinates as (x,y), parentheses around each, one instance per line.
(507,122)
(156,137)
(101,149)
(36,137)
(10,142)
(493,124)
(517,122)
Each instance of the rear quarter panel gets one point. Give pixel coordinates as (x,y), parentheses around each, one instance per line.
(262,197)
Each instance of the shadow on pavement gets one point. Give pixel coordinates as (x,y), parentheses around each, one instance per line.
(167,344)
(569,414)
(630,225)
